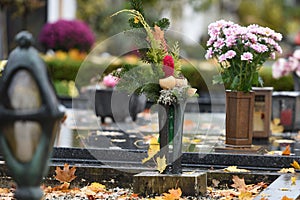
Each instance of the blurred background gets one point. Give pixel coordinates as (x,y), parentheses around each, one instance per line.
(188,17)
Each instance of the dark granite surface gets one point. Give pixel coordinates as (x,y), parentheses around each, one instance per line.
(133,158)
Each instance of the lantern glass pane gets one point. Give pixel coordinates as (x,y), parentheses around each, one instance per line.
(23,138)
(23,92)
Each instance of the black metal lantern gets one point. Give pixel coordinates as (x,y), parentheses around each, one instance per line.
(29,117)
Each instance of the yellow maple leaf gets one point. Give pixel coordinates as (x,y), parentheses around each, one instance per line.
(235,169)
(152,150)
(161,164)
(287,170)
(275,126)
(96,187)
(245,195)
(173,194)
(295,164)
(293,179)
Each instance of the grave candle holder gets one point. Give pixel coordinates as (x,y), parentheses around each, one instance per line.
(286,107)
(262,111)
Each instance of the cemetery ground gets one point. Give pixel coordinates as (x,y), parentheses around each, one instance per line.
(89,162)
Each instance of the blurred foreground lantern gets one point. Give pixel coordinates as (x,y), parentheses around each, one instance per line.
(29,118)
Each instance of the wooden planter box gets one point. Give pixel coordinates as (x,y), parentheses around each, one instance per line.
(239,118)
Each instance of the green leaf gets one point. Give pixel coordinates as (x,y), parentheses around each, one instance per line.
(235,83)
(163,23)
(217,79)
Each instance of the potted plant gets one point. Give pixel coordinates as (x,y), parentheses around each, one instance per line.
(118,105)
(286,66)
(240,52)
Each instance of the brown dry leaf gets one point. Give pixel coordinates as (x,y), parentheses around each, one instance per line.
(173,194)
(238,183)
(286,198)
(295,164)
(255,189)
(159,35)
(215,182)
(286,151)
(4,190)
(66,174)
(63,187)
(161,164)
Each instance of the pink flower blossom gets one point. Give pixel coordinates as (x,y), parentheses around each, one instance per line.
(296,54)
(209,53)
(279,68)
(247,56)
(230,41)
(273,55)
(230,54)
(110,80)
(260,48)
(222,58)
(283,67)
(219,43)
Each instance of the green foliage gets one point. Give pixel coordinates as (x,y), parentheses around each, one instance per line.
(265,12)
(139,79)
(65,88)
(63,69)
(284,83)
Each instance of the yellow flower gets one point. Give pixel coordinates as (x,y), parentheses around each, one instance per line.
(136,20)
(61,55)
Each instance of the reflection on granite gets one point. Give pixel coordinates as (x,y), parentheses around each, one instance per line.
(203,133)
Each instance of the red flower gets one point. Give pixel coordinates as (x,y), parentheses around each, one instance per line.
(168,67)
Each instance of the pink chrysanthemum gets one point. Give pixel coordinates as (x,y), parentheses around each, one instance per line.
(247,56)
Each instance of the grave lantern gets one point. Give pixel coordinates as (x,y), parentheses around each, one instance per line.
(29,118)
(286,107)
(262,112)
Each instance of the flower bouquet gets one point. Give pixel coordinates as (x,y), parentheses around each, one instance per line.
(162,82)
(240,52)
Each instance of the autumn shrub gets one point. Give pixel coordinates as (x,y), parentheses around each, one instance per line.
(67,34)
